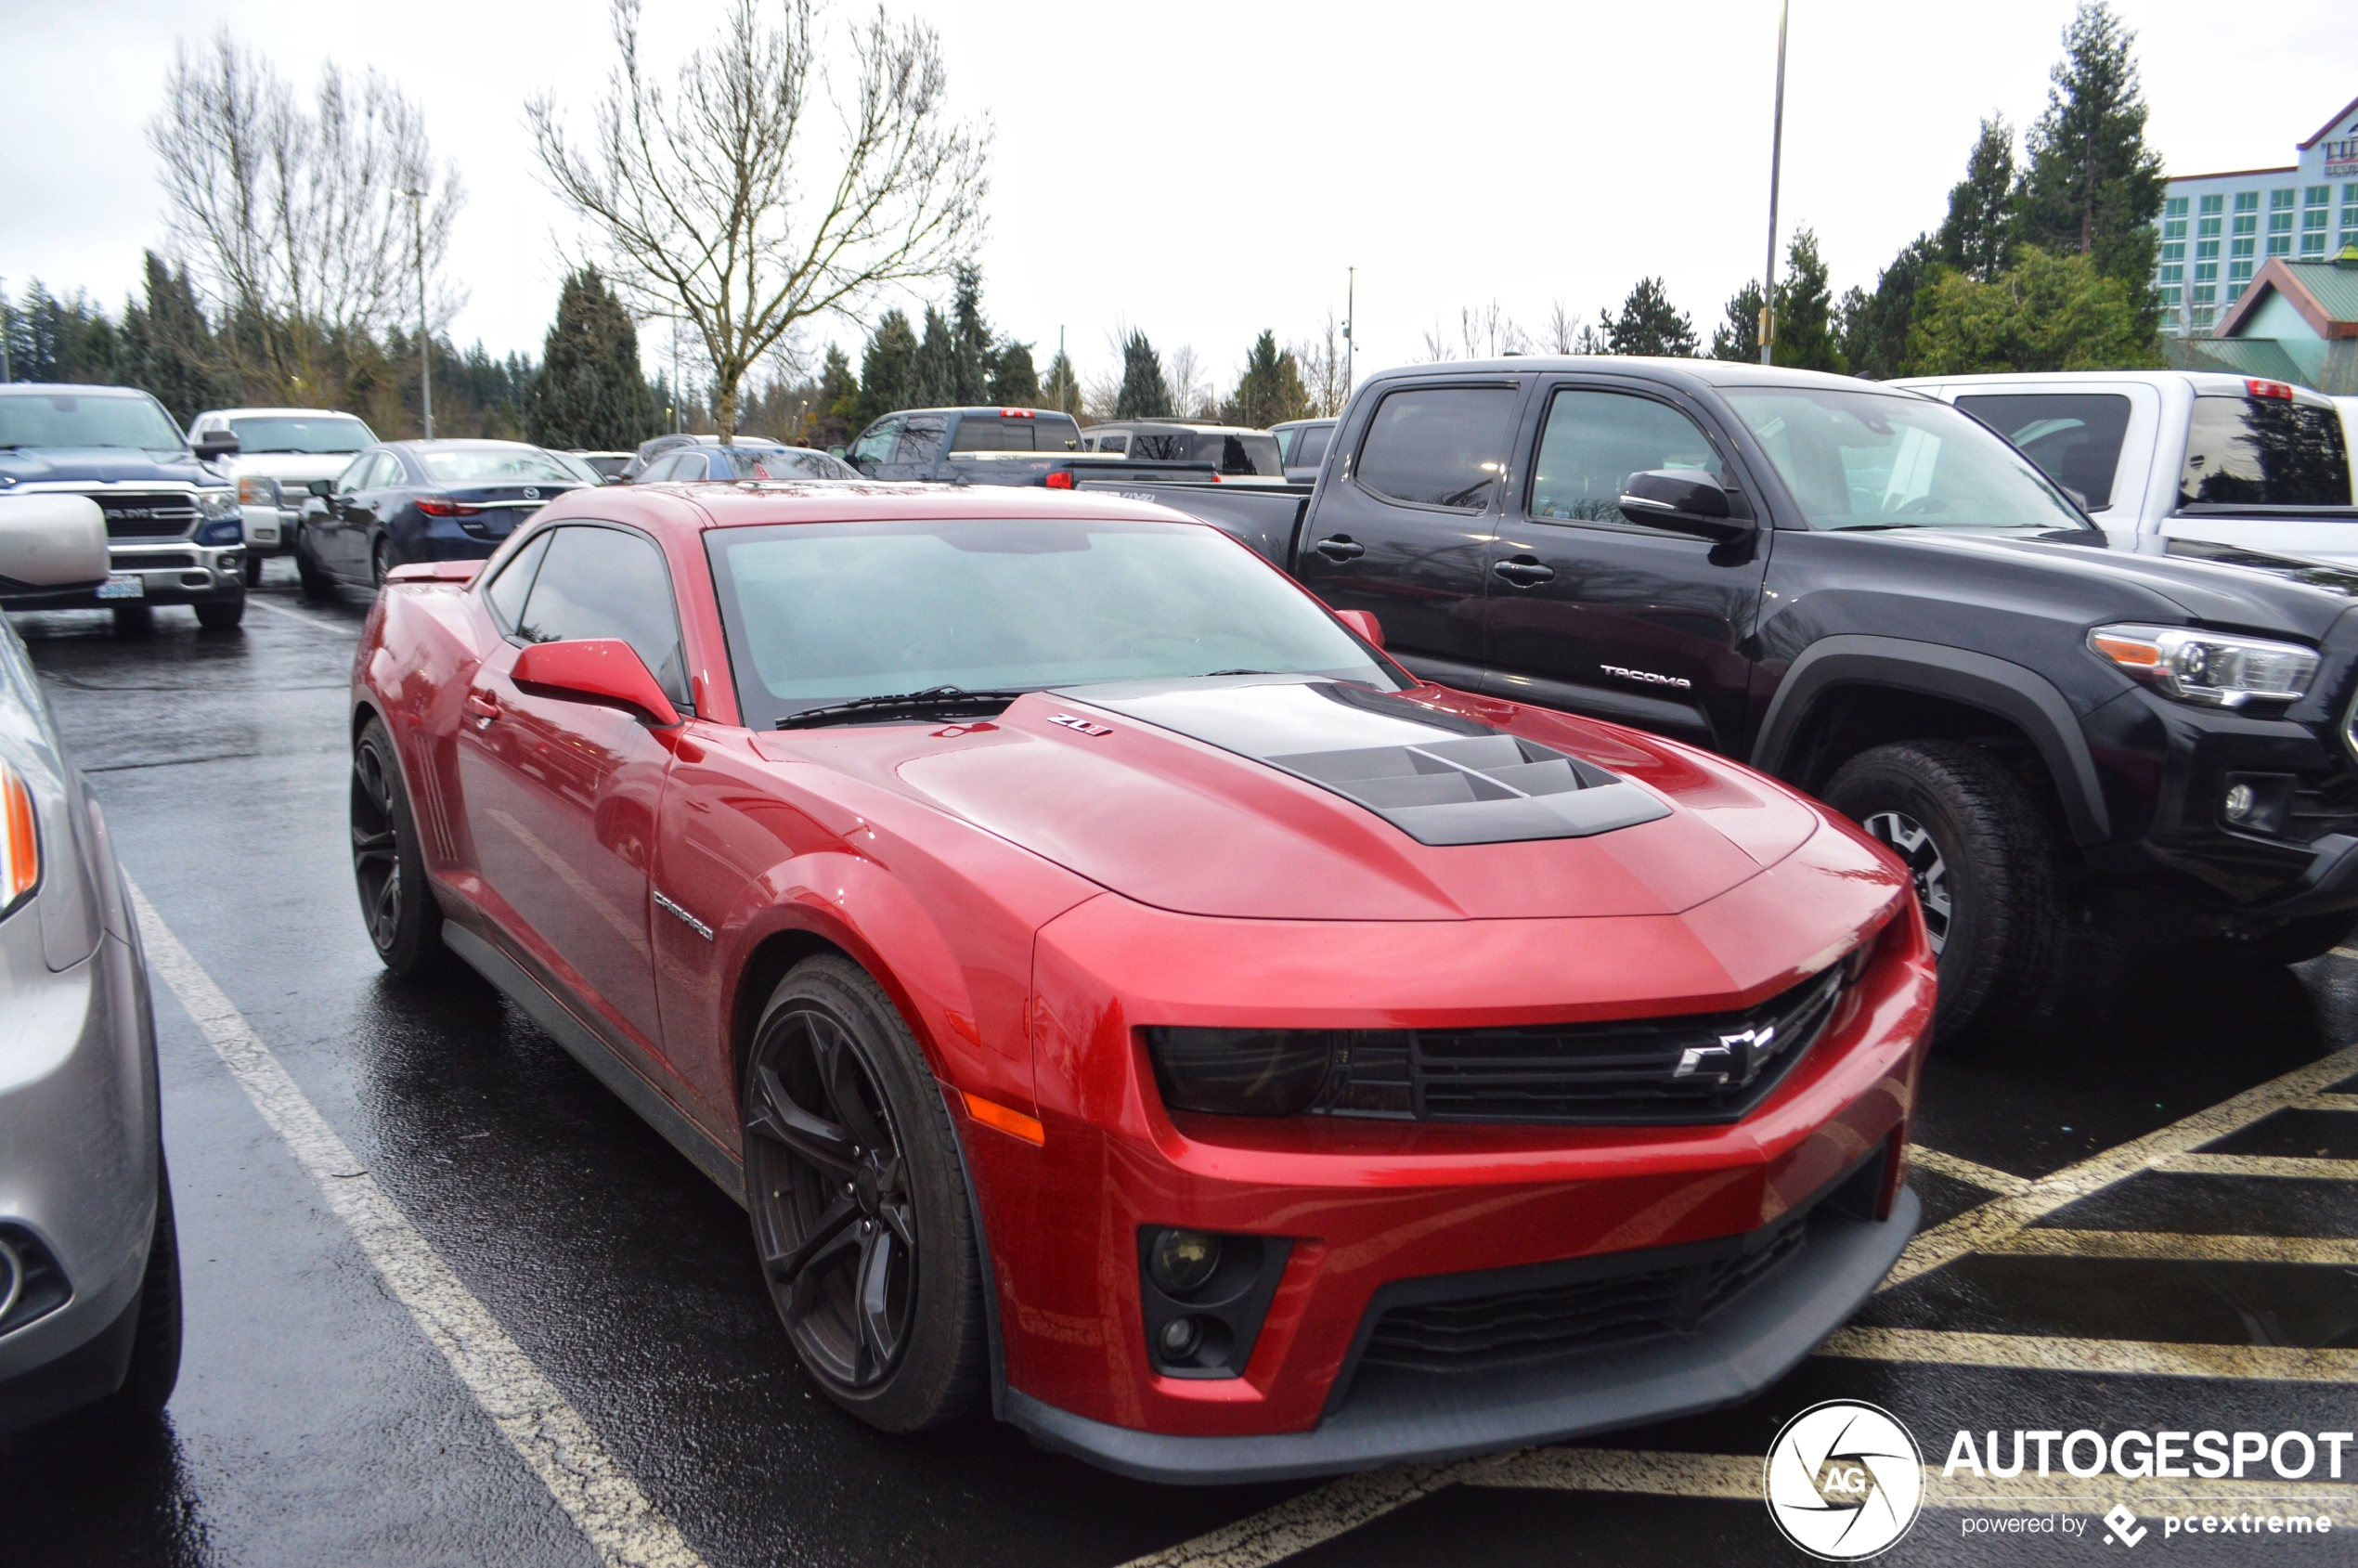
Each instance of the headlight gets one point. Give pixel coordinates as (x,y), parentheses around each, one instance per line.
(255,490)
(2204,666)
(1242,1071)
(19,841)
(214,505)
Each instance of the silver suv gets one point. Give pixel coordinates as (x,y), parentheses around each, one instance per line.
(89,1263)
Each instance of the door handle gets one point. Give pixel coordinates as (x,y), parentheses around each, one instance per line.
(1339,548)
(483,708)
(1522,571)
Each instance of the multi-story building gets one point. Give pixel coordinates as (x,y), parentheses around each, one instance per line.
(2217,230)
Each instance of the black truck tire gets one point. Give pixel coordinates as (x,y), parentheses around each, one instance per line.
(1985,856)
(222,615)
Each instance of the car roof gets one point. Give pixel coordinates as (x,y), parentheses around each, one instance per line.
(2226,382)
(275,413)
(73,389)
(441,441)
(1704,372)
(696,508)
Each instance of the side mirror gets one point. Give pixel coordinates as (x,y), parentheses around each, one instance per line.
(1364,622)
(602,670)
(836,452)
(214,444)
(323,488)
(52,542)
(1683,501)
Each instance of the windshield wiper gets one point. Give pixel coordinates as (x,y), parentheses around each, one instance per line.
(933,700)
(1219,672)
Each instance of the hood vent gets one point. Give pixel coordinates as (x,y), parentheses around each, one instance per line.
(1438,777)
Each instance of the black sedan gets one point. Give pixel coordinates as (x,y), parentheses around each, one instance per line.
(405,501)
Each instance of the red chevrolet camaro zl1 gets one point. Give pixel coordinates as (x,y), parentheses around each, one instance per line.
(1118,990)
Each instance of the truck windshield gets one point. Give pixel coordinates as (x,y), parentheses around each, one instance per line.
(822,612)
(278,432)
(2264,451)
(53,418)
(1865,459)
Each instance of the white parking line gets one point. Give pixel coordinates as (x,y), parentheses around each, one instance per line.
(2153,1358)
(254,603)
(2179,1247)
(537,1421)
(1957,1168)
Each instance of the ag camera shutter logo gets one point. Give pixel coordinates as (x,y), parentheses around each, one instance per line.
(1843,1481)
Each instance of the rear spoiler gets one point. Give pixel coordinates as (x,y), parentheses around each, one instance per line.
(436,572)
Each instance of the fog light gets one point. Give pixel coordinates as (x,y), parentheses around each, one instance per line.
(1179,1338)
(2239,802)
(1183,1260)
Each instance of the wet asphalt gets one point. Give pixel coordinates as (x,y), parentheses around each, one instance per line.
(314,1423)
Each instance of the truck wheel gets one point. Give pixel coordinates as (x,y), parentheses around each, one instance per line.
(133,620)
(1984,858)
(254,570)
(222,615)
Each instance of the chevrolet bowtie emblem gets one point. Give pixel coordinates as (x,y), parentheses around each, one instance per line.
(1734,1060)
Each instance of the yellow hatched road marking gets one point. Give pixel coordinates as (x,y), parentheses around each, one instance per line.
(2330,1102)
(2179,1247)
(2277,1364)
(2259,1165)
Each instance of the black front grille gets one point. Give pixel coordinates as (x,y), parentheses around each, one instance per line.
(160,516)
(1695,1069)
(1518,1324)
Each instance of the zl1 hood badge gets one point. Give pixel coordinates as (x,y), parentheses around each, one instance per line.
(1073,722)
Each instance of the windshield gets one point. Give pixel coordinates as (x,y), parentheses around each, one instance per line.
(823,613)
(793,462)
(49,419)
(1865,459)
(495,465)
(327,432)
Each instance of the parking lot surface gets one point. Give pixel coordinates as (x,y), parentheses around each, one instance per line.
(448,1301)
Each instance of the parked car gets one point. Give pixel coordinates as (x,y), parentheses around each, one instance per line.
(1302,447)
(1873,598)
(995,447)
(1117,990)
(655,446)
(175,532)
(89,1263)
(605,465)
(405,501)
(2164,458)
(278,453)
(735,462)
(1232,450)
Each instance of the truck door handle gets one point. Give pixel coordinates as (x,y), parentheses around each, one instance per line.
(1340,547)
(1522,571)
(482,708)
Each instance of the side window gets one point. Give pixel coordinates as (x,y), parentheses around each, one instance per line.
(876,443)
(1594,441)
(1312,450)
(1439,446)
(2074,437)
(920,441)
(357,469)
(507,591)
(386,474)
(2265,452)
(1286,438)
(603,582)
(1117,443)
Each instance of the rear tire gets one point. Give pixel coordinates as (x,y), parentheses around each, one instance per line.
(316,583)
(396,905)
(222,615)
(1986,863)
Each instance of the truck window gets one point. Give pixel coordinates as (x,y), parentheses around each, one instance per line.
(1286,438)
(1163,447)
(920,442)
(1594,441)
(1439,446)
(1231,453)
(1113,443)
(2074,437)
(987,434)
(1312,450)
(876,443)
(2264,451)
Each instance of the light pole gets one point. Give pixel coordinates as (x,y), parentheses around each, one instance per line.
(1776,156)
(1349,313)
(5,374)
(425,352)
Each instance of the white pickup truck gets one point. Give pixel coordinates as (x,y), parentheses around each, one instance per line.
(2164,456)
(277,453)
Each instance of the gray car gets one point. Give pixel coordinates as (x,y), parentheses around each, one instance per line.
(89,1267)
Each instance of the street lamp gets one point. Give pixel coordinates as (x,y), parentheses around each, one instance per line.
(1776,156)
(425,361)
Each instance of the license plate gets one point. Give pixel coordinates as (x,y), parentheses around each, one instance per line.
(124,585)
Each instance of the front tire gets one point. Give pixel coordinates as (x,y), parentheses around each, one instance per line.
(252,569)
(388,865)
(859,1203)
(318,587)
(133,620)
(155,1353)
(1985,861)
(222,615)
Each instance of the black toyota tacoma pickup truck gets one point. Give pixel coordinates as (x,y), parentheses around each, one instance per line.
(1869,594)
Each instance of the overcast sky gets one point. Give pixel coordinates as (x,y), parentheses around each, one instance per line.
(1203,171)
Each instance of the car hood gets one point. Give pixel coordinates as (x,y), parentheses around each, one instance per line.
(1282,798)
(105,465)
(2209,585)
(298,466)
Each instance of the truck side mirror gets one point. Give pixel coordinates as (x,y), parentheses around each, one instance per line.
(1682,502)
(214,444)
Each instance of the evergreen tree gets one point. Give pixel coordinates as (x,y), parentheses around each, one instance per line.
(168,347)
(1145,394)
(836,405)
(933,371)
(884,369)
(1804,325)
(591,392)
(1738,338)
(1875,326)
(970,339)
(1013,382)
(2044,313)
(1650,324)
(2092,185)
(1062,388)
(1270,391)
(1975,237)
(60,340)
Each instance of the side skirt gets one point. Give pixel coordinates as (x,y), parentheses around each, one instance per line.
(585,1046)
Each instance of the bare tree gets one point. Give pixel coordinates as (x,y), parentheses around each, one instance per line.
(1191,394)
(1437,346)
(298,224)
(1489,333)
(726,202)
(1563,329)
(1323,364)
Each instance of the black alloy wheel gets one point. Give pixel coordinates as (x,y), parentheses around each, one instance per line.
(859,1206)
(404,921)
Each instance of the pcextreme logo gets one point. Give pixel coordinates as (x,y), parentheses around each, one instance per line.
(1843,1481)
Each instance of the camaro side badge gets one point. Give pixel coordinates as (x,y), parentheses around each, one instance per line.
(698,926)
(1073,722)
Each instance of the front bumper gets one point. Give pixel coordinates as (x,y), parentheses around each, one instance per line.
(1365,1206)
(269,530)
(170,572)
